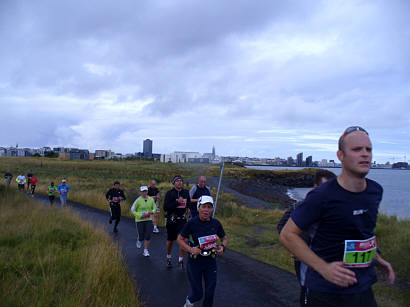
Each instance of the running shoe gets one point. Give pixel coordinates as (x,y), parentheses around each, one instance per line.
(156,230)
(169,262)
(139,244)
(181,264)
(188,303)
(115,230)
(145,253)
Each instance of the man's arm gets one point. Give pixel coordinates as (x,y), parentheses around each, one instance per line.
(285,217)
(333,272)
(386,266)
(170,203)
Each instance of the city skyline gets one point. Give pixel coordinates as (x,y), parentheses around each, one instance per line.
(287,78)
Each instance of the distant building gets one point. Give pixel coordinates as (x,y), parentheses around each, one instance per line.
(309,161)
(79,154)
(198,160)
(103,154)
(147,148)
(299,159)
(180,156)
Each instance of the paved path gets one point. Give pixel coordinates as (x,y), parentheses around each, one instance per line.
(242,281)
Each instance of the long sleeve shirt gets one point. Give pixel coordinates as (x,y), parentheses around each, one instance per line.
(141,209)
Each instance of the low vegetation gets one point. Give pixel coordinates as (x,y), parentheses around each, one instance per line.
(250,231)
(49,257)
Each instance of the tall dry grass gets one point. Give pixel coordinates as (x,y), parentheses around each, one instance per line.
(49,257)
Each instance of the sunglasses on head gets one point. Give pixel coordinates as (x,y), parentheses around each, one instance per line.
(352,129)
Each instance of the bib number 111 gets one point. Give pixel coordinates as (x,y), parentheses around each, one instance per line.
(359,253)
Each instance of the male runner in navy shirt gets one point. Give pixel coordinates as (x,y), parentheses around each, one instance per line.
(342,252)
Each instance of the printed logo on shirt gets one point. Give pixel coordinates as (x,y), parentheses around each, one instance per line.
(360,211)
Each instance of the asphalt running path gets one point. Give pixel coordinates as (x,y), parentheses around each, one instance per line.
(242,281)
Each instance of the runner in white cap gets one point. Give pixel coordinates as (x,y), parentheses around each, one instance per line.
(143,209)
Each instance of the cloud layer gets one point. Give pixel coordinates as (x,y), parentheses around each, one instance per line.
(260,78)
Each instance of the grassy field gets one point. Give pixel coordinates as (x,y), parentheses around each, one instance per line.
(49,257)
(250,231)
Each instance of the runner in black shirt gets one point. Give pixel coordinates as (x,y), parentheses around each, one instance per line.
(114,197)
(175,206)
(155,194)
(29,175)
(8,176)
(196,192)
(199,237)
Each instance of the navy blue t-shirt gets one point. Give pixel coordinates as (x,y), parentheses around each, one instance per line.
(341,215)
(195,228)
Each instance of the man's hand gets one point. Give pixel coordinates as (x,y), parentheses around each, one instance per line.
(335,273)
(387,268)
(220,250)
(195,250)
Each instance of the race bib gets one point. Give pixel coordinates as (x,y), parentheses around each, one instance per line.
(359,253)
(63,191)
(208,242)
(115,199)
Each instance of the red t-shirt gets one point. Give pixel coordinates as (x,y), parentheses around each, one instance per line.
(33,181)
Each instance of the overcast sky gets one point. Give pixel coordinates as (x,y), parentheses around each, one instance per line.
(253,78)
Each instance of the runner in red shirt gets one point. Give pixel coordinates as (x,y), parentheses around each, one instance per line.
(33,182)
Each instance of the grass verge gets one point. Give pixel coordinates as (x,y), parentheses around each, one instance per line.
(49,257)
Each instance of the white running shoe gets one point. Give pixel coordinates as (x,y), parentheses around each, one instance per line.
(156,230)
(145,253)
(139,244)
(188,303)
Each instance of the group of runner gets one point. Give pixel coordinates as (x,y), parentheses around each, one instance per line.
(28,184)
(330,234)
(189,221)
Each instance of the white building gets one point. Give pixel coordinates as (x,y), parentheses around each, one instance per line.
(179,156)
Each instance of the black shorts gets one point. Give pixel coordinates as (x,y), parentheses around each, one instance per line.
(51,198)
(174,228)
(320,299)
(115,210)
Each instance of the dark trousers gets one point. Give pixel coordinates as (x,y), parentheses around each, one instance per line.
(33,188)
(115,210)
(320,299)
(202,267)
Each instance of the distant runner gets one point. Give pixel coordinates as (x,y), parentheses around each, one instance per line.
(114,196)
(51,193)
(33,182)
(156,195)
(321,177)
(143,209)
(202,234)
(8,176)
(175,206)
(29,175)
(196,192)
(21,180)
(63,190)
(342,253)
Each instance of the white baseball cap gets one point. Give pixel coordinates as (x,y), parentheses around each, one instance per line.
(204,200)
(143,188)
(63,180)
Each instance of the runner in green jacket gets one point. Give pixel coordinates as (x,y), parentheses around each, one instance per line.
(143,208)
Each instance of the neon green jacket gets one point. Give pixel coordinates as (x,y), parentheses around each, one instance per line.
(141,209)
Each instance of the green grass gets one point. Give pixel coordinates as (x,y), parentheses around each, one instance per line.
(49,257)
(250,231)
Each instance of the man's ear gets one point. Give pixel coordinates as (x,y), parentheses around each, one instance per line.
(340,155)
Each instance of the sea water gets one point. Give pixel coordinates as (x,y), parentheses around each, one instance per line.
(395,183)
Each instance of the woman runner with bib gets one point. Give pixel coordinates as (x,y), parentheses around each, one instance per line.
(199,238)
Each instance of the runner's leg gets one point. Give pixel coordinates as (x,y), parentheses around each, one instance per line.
(210,282)
(194,272)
